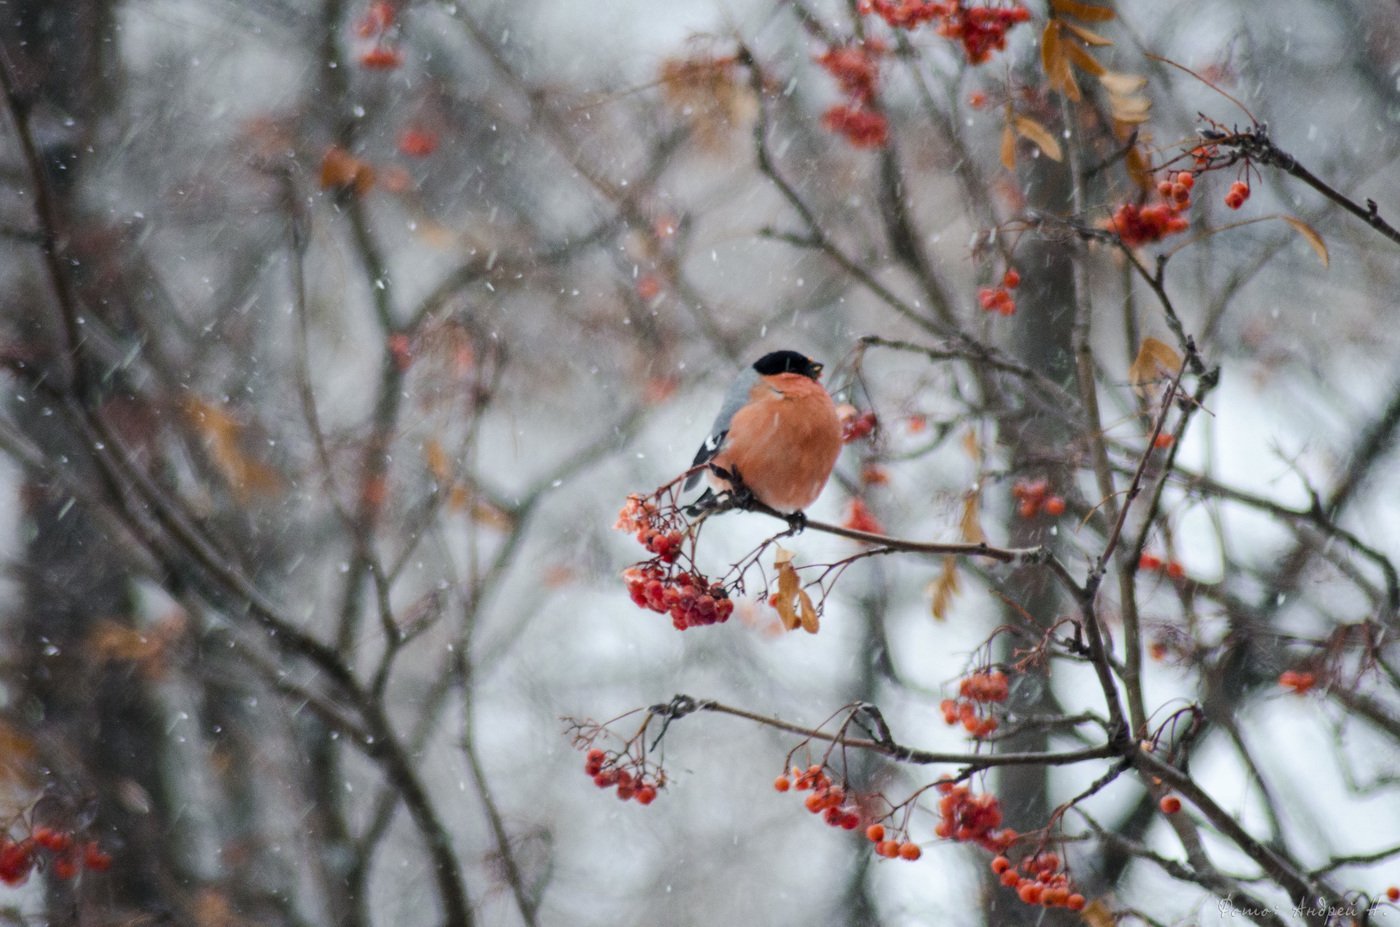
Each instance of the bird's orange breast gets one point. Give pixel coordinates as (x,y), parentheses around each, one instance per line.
(784,442)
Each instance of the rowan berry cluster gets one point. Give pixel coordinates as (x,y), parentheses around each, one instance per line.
(999,299)
(1151,563)
(621,771)
(1300,681)
(688,597)
(1034,497)
(1039,879)
(889,848)
(970,818)
(972,708)
(860,518)
(1137,225)
(378,23)
(857,70)
(1238,193)
(855,424)
(60,851)
(660,584)
(980,29)
(826,798)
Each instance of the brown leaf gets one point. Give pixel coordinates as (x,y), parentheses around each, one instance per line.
(1085,61)
(1155,360)
(1097,914)
(794,605)
(223,437)
(340,170)
(436,459)
(970,524)
(972,446)
(945,588)
(1039,136)
(1058,73)
(1139,169)
(1087,36)
(17,756)
(1084,11)
(1310,235)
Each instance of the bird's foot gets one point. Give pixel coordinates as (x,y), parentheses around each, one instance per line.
(797,522)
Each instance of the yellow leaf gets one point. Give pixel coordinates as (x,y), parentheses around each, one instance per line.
(1039,136)
(1086,62)
(1155,360)
(944,588)
(1310,235)
(1008,148)
(810,623)
(1087,36)
(1084,11)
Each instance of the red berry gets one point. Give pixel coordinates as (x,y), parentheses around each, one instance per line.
(1170,804)
(95,858)
(1393,893)
(1054,506)
(646,795)
(52,840)
(1075,902)
(1011,279)
(782,783)
(1149,562)
(1000,865)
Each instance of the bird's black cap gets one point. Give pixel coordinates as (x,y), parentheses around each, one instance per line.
(788,362)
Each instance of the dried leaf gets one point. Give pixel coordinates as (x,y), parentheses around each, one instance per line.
(340,170)
(944,588)
(794,605)
(1058,73)
(17,756)
(1084,11)
(1133,110)
(1097,914)
(436,459)
(970,525)
(223,436)
(1155,360)
(1087,36)
(1120,84)
(1311,235)
(1139,169)
(1008,148)
(1039,136)
(972,446)
(1085,61)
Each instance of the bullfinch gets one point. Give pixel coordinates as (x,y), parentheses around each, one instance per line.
(776,437)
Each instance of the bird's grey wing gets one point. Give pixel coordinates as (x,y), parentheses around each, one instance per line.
(734,400)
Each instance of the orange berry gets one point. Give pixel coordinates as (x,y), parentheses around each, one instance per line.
(1075,902)
(1165,188)
(1030,892)
(1393,893)
(1170,804)
(815,802)
(782,783)
(910,851)
(1054,506)
(1000,865)
(646,795)
(887,848)
(1011,878)
(1186,179)
(1163,440)
(875,833)
(1011,279)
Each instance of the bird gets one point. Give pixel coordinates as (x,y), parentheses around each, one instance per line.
(775,440)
